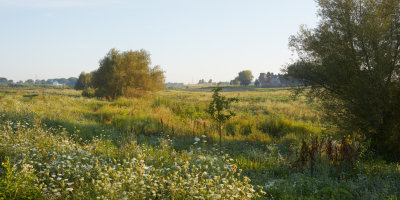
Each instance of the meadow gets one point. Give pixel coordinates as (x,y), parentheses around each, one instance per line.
(56,144)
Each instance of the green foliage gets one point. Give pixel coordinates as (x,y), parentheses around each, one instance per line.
(18,183)
(351,62)
(62,168)
(244,78)
(89,92)
(102,137)
(83,82)
(219,107)
(279,127)
(3,80)
(127,74)
(240,127)
(235,81)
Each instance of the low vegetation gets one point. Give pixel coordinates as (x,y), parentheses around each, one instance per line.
(165,145)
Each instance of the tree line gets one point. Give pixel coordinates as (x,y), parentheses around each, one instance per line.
(60,81)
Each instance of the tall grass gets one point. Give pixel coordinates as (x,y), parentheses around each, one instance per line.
(263,140)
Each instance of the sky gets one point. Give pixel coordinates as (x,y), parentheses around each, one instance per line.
(189,39)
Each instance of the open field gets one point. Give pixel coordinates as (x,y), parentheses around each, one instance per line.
(56,144)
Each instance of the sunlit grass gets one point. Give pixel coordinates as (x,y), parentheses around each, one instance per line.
(262,140)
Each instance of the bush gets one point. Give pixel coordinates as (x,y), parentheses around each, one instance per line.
(126,74)
(89,92)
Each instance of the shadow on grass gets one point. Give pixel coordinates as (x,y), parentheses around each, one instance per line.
(145,131)
(229,88)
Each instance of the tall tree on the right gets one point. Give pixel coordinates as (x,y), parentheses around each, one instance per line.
(351,60)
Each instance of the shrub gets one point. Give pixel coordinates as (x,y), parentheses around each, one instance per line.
(89,92)
(126,74)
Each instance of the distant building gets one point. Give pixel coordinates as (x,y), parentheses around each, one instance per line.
(276,80)
(223,83)
(269,80)
(55,83)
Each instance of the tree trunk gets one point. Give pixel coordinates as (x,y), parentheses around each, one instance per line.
(220,139)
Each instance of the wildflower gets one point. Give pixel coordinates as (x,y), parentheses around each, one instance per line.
(197,139)
(69,189)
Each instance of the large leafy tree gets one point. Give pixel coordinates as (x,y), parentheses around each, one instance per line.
(127,74)
(244,78)
(351,60)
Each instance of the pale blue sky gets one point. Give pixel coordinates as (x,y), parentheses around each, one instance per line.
(189,39)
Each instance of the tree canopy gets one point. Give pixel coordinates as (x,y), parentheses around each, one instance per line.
(351,60)
(3,80)
(84,81)
(243,78)
(127,74)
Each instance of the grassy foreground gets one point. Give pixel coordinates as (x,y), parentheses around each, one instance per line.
(56,144)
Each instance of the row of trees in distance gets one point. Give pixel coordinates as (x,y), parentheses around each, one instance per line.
(57,81)
(202,81)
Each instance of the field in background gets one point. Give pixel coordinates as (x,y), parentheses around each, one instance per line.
(263,140)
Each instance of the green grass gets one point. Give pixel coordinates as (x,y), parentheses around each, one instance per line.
(262,140)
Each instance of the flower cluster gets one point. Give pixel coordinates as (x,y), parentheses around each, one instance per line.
(64,168)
